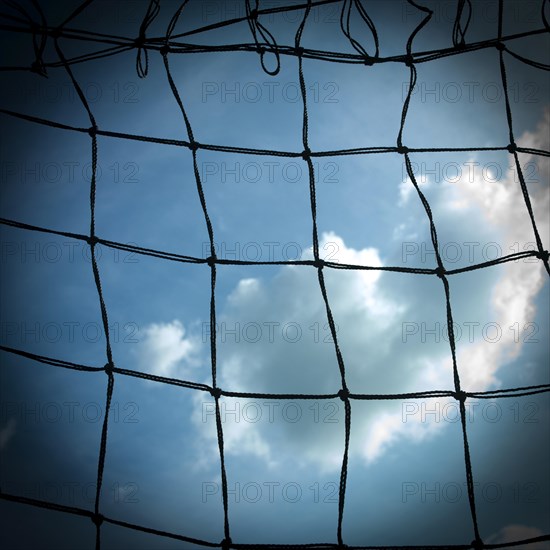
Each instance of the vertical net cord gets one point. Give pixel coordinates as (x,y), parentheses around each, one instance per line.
(92,241)
(344,392)
(257,28)
(512,148)
(459,394)
(216,391)
(459,32)
(78,10)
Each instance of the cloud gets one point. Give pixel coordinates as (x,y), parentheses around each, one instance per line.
(406,187)
(502,205)
(7,432)
(167,351)
(539,139)
(277,339)
(511,533)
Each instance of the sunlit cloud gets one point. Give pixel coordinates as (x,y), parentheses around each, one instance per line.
(365,313)
(166,350)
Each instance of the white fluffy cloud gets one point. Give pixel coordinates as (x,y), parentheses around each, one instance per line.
(167,351)
(298,356)
(512,300)
(284,344)
(407,190)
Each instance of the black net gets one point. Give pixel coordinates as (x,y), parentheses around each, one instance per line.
(18,20)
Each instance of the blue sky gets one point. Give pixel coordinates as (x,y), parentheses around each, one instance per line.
(406,482)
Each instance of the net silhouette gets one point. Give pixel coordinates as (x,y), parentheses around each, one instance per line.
(19,20)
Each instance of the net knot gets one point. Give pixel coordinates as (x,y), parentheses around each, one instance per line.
(402,150)
(368,60)
(193,145)
(318,263)
(512,148)
(216,393)
(343,394)
(300,51)
(260,50)
(460,45)
(140,40)
(164,49)
(92,130)
(440,272)
(477,544)
(226,543)
(97,519)
(409,60)
(92,240)
(544,255)
(211,261)
(108,367)
(460,396)
(306,154)
(253,14)
(500,46)
(56,33)
(37,66)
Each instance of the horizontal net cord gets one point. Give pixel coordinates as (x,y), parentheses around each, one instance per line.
(269,152)
(96,36)
(123,44)
(492,394)
(100,518)
(82,512)
(171,256)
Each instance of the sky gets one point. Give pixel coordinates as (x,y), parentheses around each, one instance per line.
(406,479)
